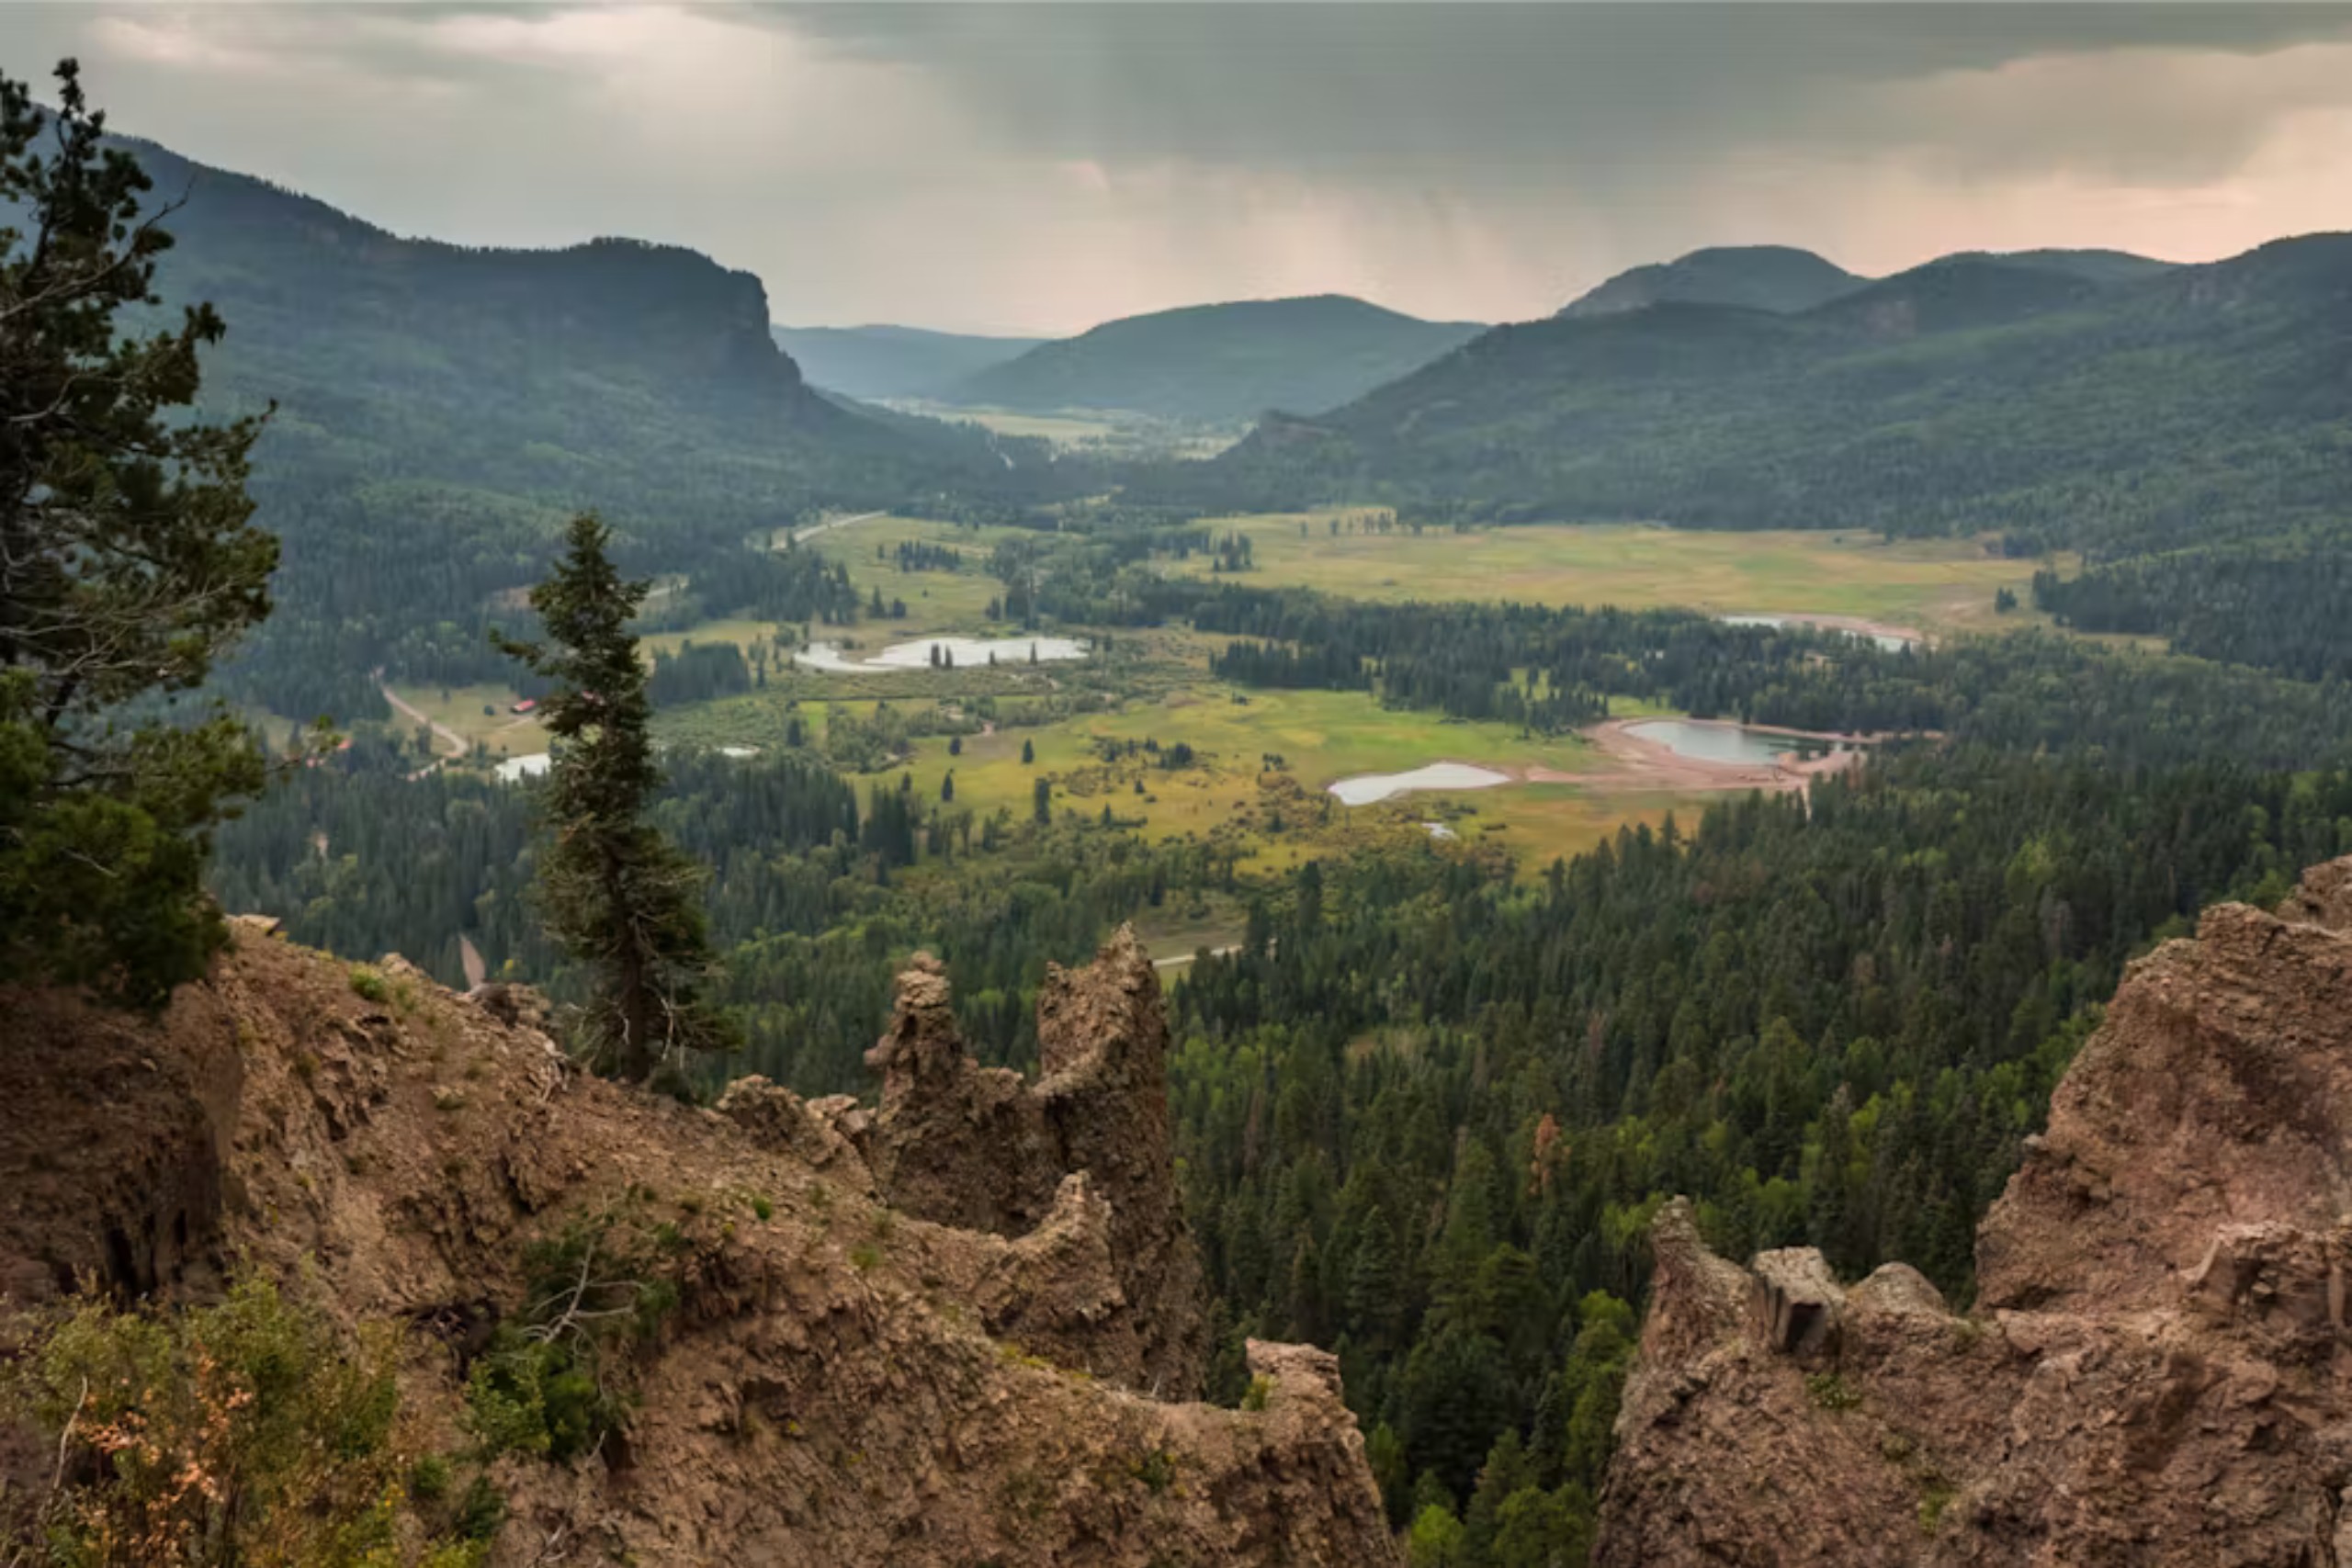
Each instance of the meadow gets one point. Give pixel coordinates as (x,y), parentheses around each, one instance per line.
(1925,584)
(1108,431)
(1260,765)
(461,708)
(1261,760)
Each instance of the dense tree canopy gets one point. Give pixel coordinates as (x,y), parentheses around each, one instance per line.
(128,565)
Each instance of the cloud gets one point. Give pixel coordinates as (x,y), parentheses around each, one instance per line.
(1044,166)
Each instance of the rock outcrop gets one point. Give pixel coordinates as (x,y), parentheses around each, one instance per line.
(2160,1368)
(879,1355)
(978,1148)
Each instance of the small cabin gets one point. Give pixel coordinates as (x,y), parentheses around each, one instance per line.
(529,704)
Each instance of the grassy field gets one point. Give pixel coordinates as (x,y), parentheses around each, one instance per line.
(460,708)
(1941,584)
(1235,790)
(739,631)
(1099,430)
(937,601)
(1265,759)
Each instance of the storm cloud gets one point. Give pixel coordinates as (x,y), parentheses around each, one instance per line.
(1043,167)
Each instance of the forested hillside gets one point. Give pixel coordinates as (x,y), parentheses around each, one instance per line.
(1971,394)
(441,410)
(1760,277)
(893,362)
(1221,363)
(1426,1108)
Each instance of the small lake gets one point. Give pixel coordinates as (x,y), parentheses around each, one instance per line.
(1885,640)
(514,770)
(1368,787)
(968,652)
(1715,742)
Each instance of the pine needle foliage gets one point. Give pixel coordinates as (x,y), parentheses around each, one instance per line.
(128,563)
(612,889)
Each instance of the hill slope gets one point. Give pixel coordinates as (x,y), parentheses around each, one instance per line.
(1221,363)
(441,409)
(1760,277)
(841,1375)
(2154,1374)
(893,362)
(2197,404)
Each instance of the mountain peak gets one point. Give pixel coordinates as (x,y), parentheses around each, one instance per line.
(1223,363)
(1760,277)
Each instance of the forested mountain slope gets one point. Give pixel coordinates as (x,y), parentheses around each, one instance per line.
(1761,277)
(1222,362)
(2198,404)
(441,409)
(1784,279)
(893,362)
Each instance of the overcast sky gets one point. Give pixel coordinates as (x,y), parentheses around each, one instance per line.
(984,166)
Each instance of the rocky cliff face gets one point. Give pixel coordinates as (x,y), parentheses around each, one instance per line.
(926,1335)
(2160,1370)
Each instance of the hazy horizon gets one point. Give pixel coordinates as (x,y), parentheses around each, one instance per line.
(1037,170)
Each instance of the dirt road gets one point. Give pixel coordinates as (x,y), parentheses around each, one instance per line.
(1179,961)
(459,745)
(803,535)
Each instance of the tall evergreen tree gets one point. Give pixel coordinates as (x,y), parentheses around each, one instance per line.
(128,563)
(614,891)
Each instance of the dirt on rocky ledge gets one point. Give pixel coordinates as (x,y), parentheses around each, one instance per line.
(900,1339)
(2160,1368)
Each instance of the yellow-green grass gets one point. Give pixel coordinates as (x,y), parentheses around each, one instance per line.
(1173,934)
(1934,584)
(1320,736)
(741,631)
(937,601)
(1066,427)
(1115,430)
(460,708)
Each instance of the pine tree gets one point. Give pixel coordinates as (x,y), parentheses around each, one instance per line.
(127,564)
(614,891)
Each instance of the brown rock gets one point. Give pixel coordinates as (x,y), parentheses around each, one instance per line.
(980,1149)
(2163,1375)
(842,1382)
(1795,1300)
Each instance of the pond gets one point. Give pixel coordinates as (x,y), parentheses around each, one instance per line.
(514,770)
(968,652)
(1892,642)
(1715,742)
(1365,789)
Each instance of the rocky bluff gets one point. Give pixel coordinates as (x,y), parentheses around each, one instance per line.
(2159,1368)
(948,1330)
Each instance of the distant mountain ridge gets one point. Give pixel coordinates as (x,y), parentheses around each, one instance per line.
(1787,280)
(2024,394)
(882,361)
(1762,278)
(441,409)
(324,305)
(1221,363)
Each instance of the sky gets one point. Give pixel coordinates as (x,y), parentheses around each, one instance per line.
(1039,168)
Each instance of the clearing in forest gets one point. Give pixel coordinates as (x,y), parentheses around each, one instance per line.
(1930,584)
